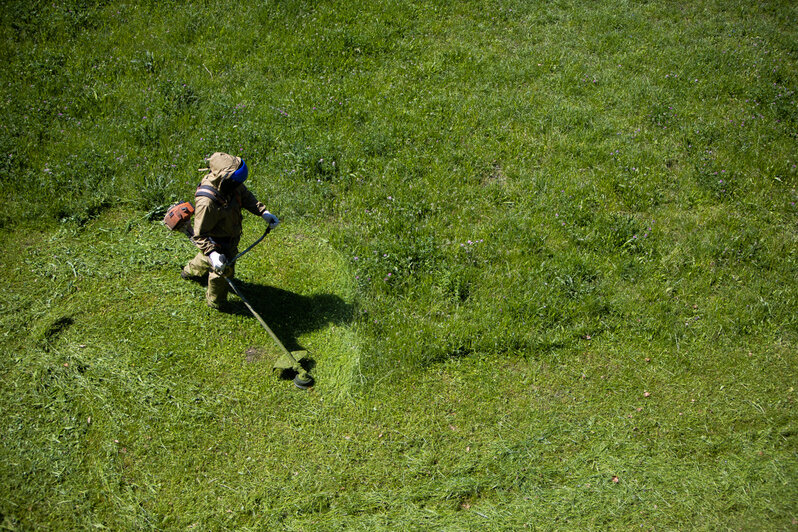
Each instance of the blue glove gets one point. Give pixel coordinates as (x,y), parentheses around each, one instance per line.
(271,219)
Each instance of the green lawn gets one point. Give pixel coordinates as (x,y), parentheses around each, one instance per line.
(542,254)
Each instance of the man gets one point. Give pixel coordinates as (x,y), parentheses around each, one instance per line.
(217,223)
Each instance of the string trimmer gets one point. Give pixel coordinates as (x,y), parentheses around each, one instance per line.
(289,360)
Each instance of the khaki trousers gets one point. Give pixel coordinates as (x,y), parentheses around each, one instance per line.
(216,294)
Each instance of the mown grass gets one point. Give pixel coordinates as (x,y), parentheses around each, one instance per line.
(543,256)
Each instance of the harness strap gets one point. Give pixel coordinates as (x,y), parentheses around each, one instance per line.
(207,191)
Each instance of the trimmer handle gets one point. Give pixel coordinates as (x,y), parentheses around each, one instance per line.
(255,243)
(187,230)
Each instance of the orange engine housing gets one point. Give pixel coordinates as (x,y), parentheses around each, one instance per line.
(178,216)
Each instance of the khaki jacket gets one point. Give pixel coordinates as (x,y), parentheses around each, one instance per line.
(218,227)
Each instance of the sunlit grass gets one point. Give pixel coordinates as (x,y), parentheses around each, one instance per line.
(543,257)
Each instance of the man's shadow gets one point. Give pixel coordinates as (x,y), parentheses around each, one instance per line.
(291,315)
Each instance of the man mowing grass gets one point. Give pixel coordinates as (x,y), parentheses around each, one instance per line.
(217,224)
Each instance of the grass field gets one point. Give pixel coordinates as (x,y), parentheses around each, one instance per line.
(544,256)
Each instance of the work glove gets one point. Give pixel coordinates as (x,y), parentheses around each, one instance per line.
(218,261)
(271,219)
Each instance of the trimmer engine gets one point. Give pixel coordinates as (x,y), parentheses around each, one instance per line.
(178,218)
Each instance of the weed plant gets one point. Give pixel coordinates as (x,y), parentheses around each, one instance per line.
(543,255)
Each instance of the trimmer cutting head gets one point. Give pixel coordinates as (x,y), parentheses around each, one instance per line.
(291,362)
(303,380)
